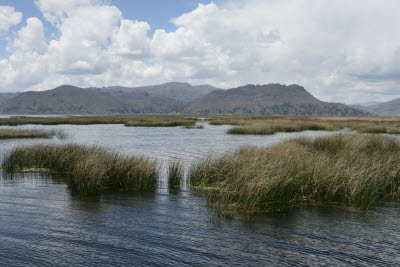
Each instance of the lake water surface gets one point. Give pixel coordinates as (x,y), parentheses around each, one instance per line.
(43,224)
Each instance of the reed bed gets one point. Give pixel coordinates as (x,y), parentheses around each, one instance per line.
(194,127)
(27,133)
(272,124)
(275,127)
(349,170)
(88,169)
(175,175)
(128,120)
(161,122)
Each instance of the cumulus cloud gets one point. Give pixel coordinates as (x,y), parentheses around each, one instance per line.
(29,37)
(84,36)
(131,39)
(55,11)
(26,65)
(21,71)
(339,50)
(9,17)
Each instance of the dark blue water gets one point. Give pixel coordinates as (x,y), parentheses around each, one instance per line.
(43,224)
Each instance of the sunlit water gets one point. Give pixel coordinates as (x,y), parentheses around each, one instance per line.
(43,224)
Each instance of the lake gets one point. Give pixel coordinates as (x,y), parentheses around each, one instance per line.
(43,224)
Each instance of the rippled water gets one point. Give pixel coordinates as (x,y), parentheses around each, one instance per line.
(43,224)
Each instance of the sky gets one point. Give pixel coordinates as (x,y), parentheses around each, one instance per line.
(339,50)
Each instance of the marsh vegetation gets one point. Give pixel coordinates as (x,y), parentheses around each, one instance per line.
(8,133)
(258,125)
(127,120)
(161,121)
(88,169)
(264,125)
(349,170)
(175,175)
(194,127)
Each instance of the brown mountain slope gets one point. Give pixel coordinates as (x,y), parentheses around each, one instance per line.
(4,97)
(174,90)
(68,99)
(270,99)
(390,108)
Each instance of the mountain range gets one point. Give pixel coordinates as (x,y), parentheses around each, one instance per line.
(67,99)
(174,98)
(175,90)
(390,108)
(4,97)
(269,99)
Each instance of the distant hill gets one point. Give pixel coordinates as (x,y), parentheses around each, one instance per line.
(390,108)
(174,90)
(4,97)
(68,99)
(370,103)
(269,99)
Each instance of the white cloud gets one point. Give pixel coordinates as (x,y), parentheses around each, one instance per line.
(131,39)
(22,71)
(29,37)
(55,11)
(27,65)
(81,47)
(339,50)
(9,17)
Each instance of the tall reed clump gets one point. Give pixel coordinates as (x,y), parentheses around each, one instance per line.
(343,170)
(28,133)
(175,175)
(89,169)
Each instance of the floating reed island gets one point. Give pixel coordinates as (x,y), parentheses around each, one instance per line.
(162,122)
(89,169)
(127,120)
(8,133)
(264,125)
(349,170)
(194,126)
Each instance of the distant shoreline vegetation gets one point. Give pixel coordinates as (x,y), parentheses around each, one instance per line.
(265,125)
(127,120)
(28,133)
(244,125)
